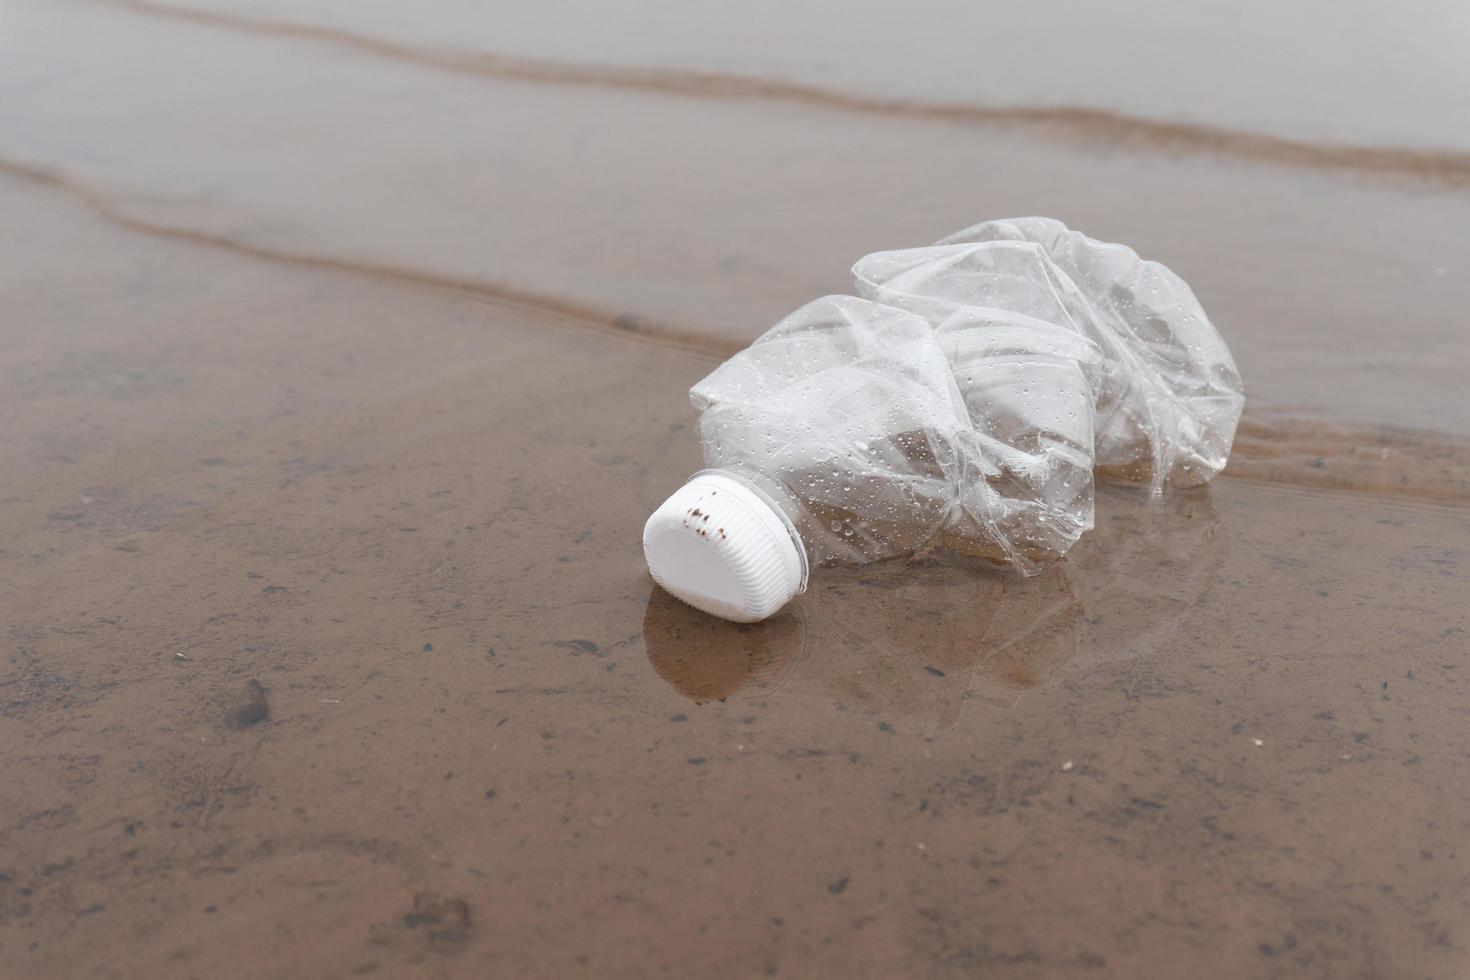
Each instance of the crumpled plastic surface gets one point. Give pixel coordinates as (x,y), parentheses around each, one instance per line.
(1167,397)
(969,398)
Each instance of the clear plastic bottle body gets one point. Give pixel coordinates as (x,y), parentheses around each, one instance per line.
(849,414)
(1167,395)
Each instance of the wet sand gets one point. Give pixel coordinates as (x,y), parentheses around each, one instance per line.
(329,649)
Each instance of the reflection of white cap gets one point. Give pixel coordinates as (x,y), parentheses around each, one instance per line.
(722,546)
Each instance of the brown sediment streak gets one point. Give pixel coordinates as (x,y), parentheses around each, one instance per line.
(1270,446)
(1442,167)
(570,311)
(1283,449)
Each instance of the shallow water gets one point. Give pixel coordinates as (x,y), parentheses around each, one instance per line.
(1369,75)
(356,378)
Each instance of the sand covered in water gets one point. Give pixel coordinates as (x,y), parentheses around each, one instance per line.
(335,395)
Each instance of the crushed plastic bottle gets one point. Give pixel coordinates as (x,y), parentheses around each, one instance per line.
(965,403)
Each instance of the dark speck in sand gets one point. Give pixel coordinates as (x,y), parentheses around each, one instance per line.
(248,707)
(935,671)
(441,919)
(1266,949)
(489,794)
(696,760)
(428,648)
(679,717)
(838,887)
(273,589)
(581,646)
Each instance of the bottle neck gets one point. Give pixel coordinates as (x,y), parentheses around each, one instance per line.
(782,504)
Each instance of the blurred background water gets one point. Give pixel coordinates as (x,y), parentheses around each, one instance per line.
(1374,74)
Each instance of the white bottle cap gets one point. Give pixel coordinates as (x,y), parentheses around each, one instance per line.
(724,547)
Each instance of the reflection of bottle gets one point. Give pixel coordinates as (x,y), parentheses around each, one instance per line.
(708,659)
(906,645)
(962,406)
(1035,632)
(1144,571)
(910,643)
